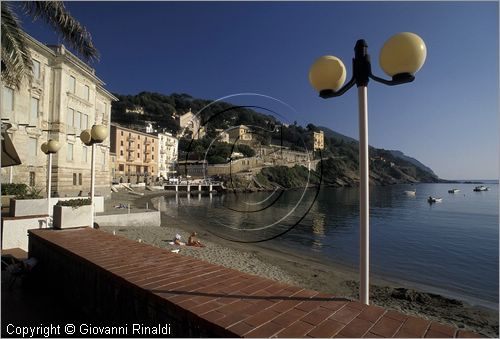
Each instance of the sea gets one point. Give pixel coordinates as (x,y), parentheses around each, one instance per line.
(449,247)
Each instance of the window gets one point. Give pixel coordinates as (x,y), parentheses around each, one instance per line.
(85,154)
(70,117)
(121,152)
(36,69)
(121,167)
(69,154)
(8,102)
(138,146)
(152,157)
(121,133)
(79,179)
(138,155)
(34,110)
(86,93)
(32,149)
(72,84)
(32,178)
(74,179)
(121,143)
(77,119)
(139,137)
(84,122)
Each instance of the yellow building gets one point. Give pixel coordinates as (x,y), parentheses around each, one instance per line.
(319,140)
(136,155)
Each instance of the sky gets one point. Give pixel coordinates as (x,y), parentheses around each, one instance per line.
(447,118)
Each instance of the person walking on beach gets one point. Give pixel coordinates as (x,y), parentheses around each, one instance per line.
(193,242)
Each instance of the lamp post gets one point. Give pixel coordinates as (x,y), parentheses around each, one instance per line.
(96,135)
(49,147)
(400,57)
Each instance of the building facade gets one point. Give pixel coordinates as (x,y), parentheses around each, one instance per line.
(136,155)
(240,134)
(319,140)
(168,147)
(191,122)
(63,98)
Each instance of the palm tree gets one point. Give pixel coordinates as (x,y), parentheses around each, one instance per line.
(16,59)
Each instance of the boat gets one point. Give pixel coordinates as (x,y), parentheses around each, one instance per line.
(432,200)
(481,188)
(411,193)
(454,190)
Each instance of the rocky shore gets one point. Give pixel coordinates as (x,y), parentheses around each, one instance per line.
(308,272)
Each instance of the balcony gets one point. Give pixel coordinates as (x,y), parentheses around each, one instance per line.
(131,139)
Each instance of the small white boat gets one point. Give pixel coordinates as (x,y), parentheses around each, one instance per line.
(481,188)
(432,200)
(454,190)
(411,193)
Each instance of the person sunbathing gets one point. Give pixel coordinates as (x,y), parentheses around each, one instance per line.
(177,240)
(193,242)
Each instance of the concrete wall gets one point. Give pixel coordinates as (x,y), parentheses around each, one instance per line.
(132,219)
(15,231)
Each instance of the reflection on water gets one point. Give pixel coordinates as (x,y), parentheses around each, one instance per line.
(450,246)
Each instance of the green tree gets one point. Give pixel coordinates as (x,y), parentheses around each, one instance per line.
(16,58)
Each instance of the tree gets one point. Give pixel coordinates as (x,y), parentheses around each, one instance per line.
(16,58)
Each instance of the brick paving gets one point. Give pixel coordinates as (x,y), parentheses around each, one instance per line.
(235,303)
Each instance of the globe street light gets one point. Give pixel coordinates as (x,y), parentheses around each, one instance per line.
(49,147)
(96,135)
(400,58)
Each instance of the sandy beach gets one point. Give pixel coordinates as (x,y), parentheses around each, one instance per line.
(303,271)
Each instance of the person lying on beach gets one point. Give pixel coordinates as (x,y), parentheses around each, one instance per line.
(177,240)
(193,242)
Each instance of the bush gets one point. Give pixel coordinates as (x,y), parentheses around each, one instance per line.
(31,192)
(14,189)
(74,203)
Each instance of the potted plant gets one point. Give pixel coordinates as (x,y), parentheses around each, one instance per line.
(10,190)
(28,201)
(72,213)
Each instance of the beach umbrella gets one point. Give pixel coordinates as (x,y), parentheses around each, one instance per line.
(9,153)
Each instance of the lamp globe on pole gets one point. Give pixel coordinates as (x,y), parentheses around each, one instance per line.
(45,148)
(401,57)
(99,133)
(86,137)
(403,53)
(327,72)
(53,146)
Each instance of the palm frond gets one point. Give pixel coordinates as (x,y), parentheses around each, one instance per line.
(16,59)
(73,33)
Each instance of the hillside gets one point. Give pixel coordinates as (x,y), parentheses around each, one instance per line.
(340,156)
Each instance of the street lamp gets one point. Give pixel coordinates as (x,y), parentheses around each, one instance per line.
(49,147)
(96,135)
(400,58)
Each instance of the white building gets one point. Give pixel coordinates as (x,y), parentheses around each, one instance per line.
(63,98)
(168,147)
(191,122)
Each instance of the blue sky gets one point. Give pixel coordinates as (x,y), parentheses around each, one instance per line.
(447,118)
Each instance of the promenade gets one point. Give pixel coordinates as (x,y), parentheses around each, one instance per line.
(120,280)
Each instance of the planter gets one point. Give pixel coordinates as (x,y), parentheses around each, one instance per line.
(68,217)
(6,200)
(27,207)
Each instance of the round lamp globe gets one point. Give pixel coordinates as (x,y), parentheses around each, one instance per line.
(403,53)
(327,73)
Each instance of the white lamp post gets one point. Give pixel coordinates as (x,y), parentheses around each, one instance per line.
(50,147)
(96,135)
(401,57)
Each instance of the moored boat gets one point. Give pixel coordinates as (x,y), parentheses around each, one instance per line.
(454,190)
(432,200)
(481,188)
(411,193)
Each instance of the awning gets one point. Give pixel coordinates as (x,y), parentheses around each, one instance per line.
(9,153)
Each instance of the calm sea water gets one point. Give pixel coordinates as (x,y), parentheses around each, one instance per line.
(449,247)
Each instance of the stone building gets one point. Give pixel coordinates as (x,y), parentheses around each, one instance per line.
(136,155)
(63,98)
(168,147)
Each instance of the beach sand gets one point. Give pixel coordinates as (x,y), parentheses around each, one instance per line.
(306,272)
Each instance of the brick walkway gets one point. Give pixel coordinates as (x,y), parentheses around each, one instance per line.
(237,304)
